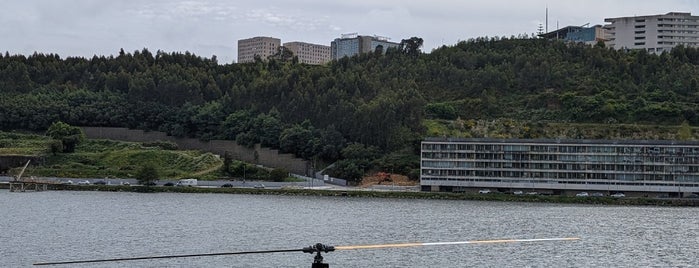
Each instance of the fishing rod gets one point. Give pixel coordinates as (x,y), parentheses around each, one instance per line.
(317,249)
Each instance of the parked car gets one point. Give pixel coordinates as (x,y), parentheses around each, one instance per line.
(126,183)
(693,196)
(100,183)
(582,194)
(517,193)
(259,186)
(484,191)
(169,184)
(618,195)
(187,182)
(597,194)
(85,182)
(227,185)
(532,193)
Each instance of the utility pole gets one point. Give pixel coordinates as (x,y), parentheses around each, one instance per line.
(547,19)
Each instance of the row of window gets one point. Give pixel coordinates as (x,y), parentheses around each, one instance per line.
(679,32)
(611,158)
(561,175)
(678,20)
(561,166)
(669,19)
(558,148)
(506,180)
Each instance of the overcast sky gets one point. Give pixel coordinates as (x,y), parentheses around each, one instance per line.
(212,27)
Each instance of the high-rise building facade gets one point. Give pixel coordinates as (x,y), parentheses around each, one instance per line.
(560,166)
(653,33)
(352,44)
(260,46)
(578,34)
(309,53)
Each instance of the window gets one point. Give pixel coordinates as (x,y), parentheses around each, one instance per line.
(640,37)
(640,26)
(639,43)
(640,32)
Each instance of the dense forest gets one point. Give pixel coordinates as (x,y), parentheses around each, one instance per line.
(365,111)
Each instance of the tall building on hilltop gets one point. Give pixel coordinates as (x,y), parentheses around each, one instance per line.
(579,34)
(352,44)
(257,46)
(654,33)
(309,53)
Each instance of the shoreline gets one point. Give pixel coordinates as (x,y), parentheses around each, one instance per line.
(628,201)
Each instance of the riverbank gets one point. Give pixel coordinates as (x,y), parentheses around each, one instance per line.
(388,194)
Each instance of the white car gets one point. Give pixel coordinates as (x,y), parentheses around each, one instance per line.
(484,191)
(618,195)
(582,194)
(518,193)
(85,182)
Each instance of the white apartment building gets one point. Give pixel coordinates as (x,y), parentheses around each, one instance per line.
(309,53)
(260,46)
(560,166)
(653,33)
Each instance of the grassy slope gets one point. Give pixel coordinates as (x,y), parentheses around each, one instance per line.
(22,144)
(102,158)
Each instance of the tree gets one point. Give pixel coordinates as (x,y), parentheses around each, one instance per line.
(411,46)
(685,131)
(348,170)
(283,54)
(278,174)
(227,160)
(147,175)
(69,136)
(55,147)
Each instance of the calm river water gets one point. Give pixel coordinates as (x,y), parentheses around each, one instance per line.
(61,225)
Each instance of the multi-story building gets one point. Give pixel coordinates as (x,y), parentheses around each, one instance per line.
(260,46)
(654,33)
(560,166)
(309,53)
(352,44)
(578,34)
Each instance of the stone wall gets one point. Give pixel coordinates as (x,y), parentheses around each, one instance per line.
(257,155)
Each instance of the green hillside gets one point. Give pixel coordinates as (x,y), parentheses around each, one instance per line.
(104,158)
(367,112)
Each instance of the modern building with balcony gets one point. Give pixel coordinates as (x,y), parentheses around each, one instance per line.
(560,166)
(653,33)
(309,53)
(578,34)
(259,46)
(352,44)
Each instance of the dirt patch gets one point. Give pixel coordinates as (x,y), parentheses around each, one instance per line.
(381,178)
